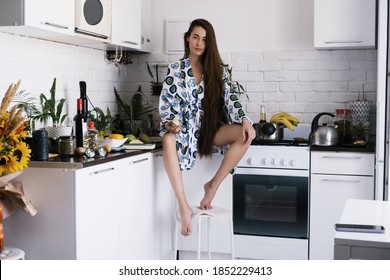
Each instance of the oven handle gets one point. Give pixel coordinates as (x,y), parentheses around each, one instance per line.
(272,172)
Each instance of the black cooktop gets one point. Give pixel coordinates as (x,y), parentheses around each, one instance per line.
(292,142)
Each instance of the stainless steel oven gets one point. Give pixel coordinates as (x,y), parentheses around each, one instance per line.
(271,202)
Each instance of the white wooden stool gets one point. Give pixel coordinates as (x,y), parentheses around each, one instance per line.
(220,214)
(10,253)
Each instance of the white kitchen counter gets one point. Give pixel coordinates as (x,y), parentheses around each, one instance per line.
(356,245)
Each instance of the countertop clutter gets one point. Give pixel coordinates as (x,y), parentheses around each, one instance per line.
(77,162)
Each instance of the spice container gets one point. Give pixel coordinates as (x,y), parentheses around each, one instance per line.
(343,123)
(66,145)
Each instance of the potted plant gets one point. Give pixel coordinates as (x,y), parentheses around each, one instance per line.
(155,84)
(51,109)
(103,122)
(236,86)
(28,103)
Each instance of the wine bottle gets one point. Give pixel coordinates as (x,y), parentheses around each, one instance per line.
(83,96)
(78,123)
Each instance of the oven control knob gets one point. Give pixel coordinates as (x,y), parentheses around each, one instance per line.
(292,162)
(283,162)
(251,161)
(264,161)
(274,161)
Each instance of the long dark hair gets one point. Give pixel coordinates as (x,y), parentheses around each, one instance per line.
(213,100)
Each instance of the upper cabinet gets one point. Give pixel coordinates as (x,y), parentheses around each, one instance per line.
(126,23)
(37,18)
(99,24)
(344,24)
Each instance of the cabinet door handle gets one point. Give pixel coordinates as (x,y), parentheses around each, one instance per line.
(55,25)
(344,42)
(130,42)
(341,180)
(342,157)
(102,171)
(138,161)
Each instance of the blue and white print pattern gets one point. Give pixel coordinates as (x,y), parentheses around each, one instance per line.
(181,98)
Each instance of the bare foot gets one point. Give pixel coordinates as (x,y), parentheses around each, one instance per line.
(186,220)
(209,193)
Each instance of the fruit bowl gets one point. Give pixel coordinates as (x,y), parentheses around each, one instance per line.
(114,143)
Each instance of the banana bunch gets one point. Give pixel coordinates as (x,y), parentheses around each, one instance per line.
(285,119)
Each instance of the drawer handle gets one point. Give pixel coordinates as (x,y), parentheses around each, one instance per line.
(55,25)
(341,157)
(130,43)
(102,171)
(344,42)
(341,181)
(138,161)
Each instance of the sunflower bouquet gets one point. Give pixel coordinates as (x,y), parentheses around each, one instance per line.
(14,153)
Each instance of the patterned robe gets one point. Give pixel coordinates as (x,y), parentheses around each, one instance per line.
(181,98)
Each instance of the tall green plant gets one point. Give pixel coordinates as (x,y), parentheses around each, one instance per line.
(50,108)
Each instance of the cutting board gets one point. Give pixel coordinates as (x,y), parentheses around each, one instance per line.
(139,146)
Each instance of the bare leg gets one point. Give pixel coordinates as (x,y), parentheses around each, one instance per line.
(227,134)
(171,164)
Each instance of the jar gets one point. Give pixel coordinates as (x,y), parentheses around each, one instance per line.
(343,124)
(40,145)
(66,146)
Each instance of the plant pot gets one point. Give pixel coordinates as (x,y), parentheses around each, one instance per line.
(156,88)
(58,131)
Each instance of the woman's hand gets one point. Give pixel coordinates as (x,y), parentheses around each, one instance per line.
(172,127)
(248,132)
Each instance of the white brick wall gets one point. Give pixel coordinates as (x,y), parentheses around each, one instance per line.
(303,83)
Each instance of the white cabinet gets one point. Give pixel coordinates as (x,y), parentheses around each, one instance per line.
(335,177)
(126,23)
(344,24)
(194,181)
(105,211)
(96,202)
(136,208)
(146,25)
(50,234)
(37,18)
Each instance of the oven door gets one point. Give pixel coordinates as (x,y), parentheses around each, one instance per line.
(271,202)
(93,18)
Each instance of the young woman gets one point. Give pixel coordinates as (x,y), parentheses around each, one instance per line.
(198,95)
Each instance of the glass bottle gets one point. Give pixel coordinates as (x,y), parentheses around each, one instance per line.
(91,137)
(263,118)
(343,123)
(78,124)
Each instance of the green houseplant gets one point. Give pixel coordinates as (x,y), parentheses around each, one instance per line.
(103,121)
(52,110)
(235,85)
